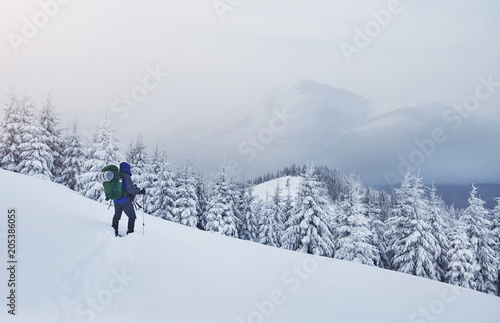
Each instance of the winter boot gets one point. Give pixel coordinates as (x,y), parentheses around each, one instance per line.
(115,226)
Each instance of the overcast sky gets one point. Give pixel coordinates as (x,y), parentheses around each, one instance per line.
(89,53)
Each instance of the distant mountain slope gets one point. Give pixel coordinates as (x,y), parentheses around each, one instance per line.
(72,269)
(312,121)
(303,109)
(421,139)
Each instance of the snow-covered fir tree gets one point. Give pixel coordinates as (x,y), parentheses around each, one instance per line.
(288,203)
(137,156)
(258,208)
(249,221)
(440,228)
(10,134)
(353,235)
(201,192)
(307,229)
(102,151)
(50,125)
(377,212)
(270,221)
(36,158)
(237,191)
(278,206)
(269,233)
(219,215)
(453,212)
(478,231)
(143,172)
(72,160)
(496,227)
(496,236)
(413,248)
(162,192)
(186,205)
(460,259)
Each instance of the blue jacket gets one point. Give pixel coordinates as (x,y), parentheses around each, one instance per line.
(127,184)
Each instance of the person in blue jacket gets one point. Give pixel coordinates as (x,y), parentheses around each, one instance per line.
(125,204)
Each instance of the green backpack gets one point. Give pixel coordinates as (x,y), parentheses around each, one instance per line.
(112,179)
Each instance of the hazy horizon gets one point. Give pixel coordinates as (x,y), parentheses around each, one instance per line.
(188,61)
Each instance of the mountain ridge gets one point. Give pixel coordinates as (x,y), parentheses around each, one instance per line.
(307,120)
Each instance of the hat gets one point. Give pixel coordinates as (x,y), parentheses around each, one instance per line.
(125,168)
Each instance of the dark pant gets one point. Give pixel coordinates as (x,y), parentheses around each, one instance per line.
(128,208)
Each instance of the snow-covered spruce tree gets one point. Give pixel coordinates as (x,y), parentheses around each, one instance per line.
(137,157)
(271,226)
(36,158)
(102,151)
(10,134)
(269,233)
(219,215)
(143,172)
(162,192)
(437,211)
(249,222)
(461,259)
(258,208)
(50,123)
(496,227)
(278,206)
(201,192)
(237,191)
(496,236)
(376,207)
(307,228)
(72,160)
(288,204)
(477,229)
(385,206)
(186,205)
(413,248)
(353,234)
(453,212)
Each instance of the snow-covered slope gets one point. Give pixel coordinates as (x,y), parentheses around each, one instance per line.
(72,269)
(266,190)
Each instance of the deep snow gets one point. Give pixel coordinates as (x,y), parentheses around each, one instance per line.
(72,269)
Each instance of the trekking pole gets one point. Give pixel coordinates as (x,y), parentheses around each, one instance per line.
(143,197)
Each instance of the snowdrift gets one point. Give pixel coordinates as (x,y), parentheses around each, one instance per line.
(71,268)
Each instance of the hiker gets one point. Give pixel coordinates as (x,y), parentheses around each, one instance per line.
(125,203)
